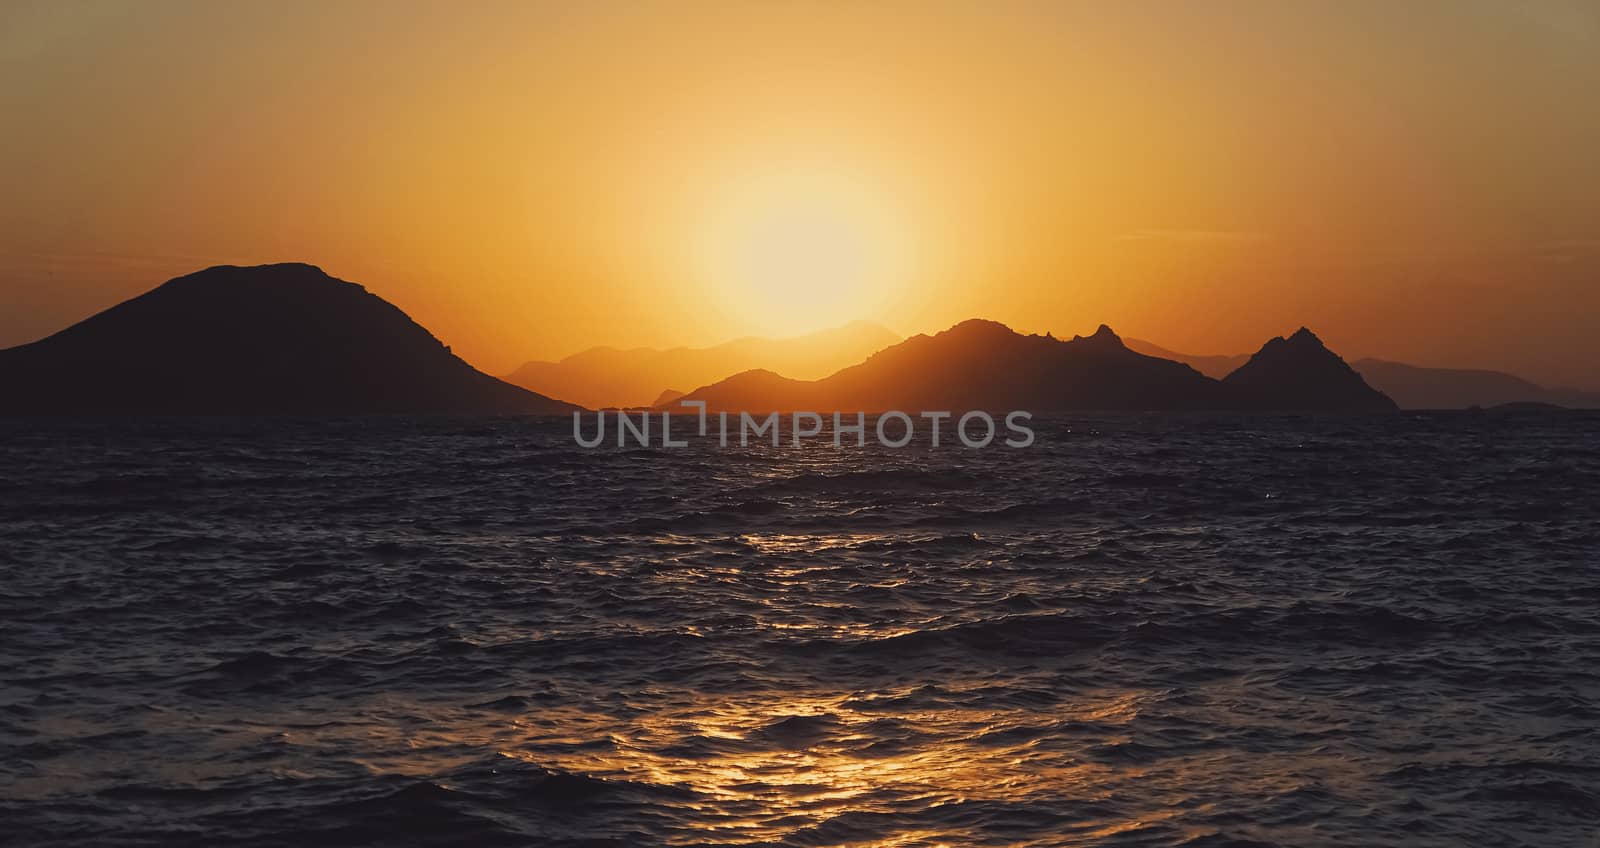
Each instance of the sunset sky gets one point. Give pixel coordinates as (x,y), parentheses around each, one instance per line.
(1417,181)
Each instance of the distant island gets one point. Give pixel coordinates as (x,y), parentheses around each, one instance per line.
(986,365)
(1415,386)
(281,339)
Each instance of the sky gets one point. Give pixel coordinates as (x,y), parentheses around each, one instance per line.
(1415,181)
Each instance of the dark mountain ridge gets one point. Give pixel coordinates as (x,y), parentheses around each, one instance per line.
(282,339)
(1413,386)
(1299,373)
(981,364)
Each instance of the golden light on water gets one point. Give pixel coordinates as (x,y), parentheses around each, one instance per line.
(773,766)
(873,714)
(806,757)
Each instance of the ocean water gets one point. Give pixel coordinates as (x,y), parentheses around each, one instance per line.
(1143,630)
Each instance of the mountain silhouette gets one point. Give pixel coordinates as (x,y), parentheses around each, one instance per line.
(606,376)
(1415,387)
(267,340)
(1212,366)
(1300,374)
(985,365)
(981,364)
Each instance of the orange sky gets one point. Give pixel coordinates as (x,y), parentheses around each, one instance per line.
(1414,180)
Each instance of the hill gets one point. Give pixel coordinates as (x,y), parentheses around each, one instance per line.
(268,340)
(606,376)
(1415,387)
(985,365)
(1298,373)
(1217,366)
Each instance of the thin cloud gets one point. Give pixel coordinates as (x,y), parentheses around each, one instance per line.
(1564,251)
(1198,236)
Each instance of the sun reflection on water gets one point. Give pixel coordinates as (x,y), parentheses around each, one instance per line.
(759,766)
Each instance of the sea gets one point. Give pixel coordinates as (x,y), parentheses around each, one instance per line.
(1140,630)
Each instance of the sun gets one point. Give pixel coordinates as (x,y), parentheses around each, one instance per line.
(806,259)
(796,252)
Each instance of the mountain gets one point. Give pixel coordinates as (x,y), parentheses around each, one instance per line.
(1211,366)
(981,365)
(1414,387)
(666,397)
(267,340)
(1525,407)
(986,365)
(606,376)
(1300,374)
